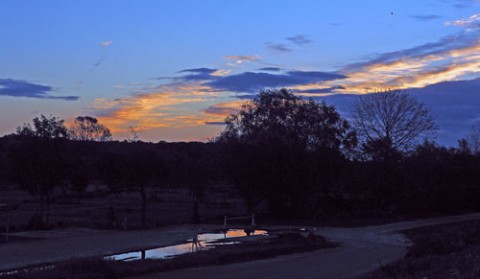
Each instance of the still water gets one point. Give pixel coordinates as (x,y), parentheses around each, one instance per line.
(204,241)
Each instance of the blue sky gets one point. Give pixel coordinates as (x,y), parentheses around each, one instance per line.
(173,69)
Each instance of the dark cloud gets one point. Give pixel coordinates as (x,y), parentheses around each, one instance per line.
(197,74)
(270,69)
(425,17)
(20,88)
(222,109)
(215,123)
(250,82)
(198,71)
(246,96)
(312,76)
(321,90)
(299,40)
(454,105)
(278,47)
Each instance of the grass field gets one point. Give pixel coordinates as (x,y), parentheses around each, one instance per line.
(100,209)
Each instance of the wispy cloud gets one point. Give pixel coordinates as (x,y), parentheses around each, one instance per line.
(239,59)
(197,74)
(106,43)
(199,97)
(277,47)
(21,88)
(198,71)
(425,17)
(165,106)
(270,69)
(99,62)
(450,58)
(299,40)
(461,4)
(224,109)
(470,22)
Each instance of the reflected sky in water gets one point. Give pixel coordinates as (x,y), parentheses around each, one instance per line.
(204,243)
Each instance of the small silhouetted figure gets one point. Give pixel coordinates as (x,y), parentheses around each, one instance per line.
(195,243)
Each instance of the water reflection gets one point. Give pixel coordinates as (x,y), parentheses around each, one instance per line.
(196,243)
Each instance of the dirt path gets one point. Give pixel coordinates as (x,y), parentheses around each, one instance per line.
(362,249)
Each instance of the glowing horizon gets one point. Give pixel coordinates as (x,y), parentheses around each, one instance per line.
(176,75)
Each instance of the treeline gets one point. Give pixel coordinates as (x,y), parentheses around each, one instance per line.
(289,158)
(49,168)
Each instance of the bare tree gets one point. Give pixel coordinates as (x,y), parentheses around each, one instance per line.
(134,132)
(473,140)
(88,128)
(391,119)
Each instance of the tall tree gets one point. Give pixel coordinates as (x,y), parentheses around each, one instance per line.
(280,117)
(88,128)
(45,127)
(473,139)
(277,144)
(391,121)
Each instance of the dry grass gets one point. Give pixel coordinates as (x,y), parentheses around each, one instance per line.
(445,251)
(165,207)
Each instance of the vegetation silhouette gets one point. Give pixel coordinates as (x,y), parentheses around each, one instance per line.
(389,122)
(286,157)
(88,128)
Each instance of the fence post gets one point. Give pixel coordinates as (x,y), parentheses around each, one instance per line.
(225,221)
(253,220)
(8,226)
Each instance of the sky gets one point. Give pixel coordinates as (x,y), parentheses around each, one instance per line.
(173,70)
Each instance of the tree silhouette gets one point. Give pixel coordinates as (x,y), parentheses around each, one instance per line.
(39,166)
(45,127)
(391,120)
(280,117)
(277,146)
(474,139)
(88,128)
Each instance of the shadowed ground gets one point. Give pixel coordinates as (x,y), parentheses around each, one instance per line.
(362,249)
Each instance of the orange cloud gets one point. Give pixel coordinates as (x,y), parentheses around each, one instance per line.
(224,109)
(172,107)
(414,72)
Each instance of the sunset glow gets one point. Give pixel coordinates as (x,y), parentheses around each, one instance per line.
(182,73)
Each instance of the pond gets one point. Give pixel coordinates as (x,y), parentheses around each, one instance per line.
(204,241)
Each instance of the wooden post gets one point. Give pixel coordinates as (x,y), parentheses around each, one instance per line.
(125,220)
(225,221)
(8,226)
(253,220)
